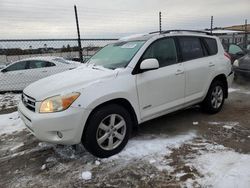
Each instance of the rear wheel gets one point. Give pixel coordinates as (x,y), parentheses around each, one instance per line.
(107,131)
(215,98)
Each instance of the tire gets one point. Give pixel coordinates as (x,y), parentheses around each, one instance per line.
(104,125)
(214,100)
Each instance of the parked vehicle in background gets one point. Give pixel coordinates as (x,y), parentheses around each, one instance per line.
(235,51)
(18,75)
(127,83)
(242,67)
(85,59)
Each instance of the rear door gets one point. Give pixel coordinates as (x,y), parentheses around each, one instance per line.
(198,67)
(38,69)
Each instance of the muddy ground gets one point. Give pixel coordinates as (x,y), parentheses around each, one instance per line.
(27,162)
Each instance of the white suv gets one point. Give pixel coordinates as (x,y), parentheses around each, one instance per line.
(124,84)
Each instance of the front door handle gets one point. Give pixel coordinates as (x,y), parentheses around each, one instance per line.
(178,72)
(45,71)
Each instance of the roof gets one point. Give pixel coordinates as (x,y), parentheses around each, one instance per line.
(147,36)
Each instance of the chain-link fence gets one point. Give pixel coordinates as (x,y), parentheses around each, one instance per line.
(25,61)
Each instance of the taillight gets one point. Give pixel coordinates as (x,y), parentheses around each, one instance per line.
(227,55)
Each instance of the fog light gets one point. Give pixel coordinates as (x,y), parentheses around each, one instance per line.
(59,134)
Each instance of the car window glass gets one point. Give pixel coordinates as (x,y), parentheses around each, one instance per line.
(49,64)
(191,48)
(234,49)
(212,46)
(38,64)
(17,66)
(164,51)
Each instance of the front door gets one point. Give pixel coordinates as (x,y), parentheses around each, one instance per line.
(163,89)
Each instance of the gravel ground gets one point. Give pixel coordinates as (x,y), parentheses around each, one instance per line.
(184,149)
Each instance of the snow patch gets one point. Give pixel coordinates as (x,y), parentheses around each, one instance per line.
(87,175)
(10,123)
(17,146)
(223,169)
(227,127)
(9,100)
(145,147)
(43,167)
(230,90)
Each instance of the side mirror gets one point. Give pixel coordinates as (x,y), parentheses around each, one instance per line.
(149,64)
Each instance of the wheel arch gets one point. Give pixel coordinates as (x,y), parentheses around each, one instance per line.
(223,79)
(121,102)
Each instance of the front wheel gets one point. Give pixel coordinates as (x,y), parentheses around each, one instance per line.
(215,98)
(107,131)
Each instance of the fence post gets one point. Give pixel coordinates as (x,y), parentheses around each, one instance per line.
(245,40)
(79,37)
(211,26)
(160,22)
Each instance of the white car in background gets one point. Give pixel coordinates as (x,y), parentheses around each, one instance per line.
(18,75)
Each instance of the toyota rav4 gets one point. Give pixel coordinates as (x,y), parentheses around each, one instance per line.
(126,83)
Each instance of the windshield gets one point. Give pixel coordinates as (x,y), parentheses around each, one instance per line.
(116,55)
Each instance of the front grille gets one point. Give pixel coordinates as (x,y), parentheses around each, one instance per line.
(29,102)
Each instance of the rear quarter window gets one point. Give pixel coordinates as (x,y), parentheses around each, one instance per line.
(211,45)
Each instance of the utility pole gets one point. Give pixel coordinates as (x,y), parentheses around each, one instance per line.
(212,23)
(79,37)
(160,22)
(245,41)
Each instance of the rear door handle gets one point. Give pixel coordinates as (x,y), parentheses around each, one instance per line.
(211,64)
(45,71)
(178,72)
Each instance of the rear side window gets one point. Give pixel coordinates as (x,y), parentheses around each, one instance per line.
(211,45)
(191,48)
(39,64)
(163,50)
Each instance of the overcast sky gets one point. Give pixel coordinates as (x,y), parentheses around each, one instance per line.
(114,18)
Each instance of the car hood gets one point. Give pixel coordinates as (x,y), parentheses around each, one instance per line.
(69,81)
(244,62)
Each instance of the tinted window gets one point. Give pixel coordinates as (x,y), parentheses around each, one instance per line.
(234,49)
(211,45)
(17,66)
(163,50)
(191,48)
(39,64)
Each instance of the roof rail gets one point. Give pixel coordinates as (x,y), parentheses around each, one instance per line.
(180,30)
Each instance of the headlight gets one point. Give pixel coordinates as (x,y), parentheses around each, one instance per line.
(236,63)
(58,103)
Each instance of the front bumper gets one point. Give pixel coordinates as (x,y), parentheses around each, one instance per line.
(70,123)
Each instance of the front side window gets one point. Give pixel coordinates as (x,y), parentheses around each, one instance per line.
(116,55)
(163,50)
(191,48)
(22,65)
(234,49)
